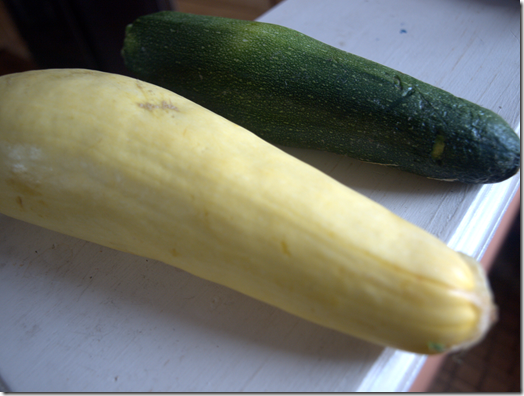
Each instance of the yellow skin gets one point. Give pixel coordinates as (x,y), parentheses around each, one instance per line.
(137,168)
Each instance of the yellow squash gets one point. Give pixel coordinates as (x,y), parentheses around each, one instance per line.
(135,167)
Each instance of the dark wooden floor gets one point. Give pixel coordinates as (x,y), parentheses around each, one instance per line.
(239,9)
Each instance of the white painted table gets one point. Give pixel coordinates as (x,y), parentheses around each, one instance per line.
(79,317)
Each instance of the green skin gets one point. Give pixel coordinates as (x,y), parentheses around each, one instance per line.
(293,90)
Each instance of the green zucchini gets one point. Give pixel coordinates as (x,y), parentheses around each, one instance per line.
(293,90)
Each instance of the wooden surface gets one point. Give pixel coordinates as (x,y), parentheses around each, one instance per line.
(239,9)
(80,317)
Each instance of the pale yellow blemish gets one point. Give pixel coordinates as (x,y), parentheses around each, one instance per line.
(438,147)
